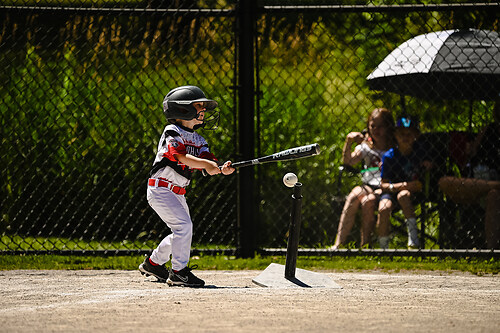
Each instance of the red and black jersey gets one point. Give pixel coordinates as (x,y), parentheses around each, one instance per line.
(177,139)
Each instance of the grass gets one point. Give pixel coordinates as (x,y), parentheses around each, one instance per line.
(477,266)
(338,264)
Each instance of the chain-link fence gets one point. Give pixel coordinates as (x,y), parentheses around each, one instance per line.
(81,118)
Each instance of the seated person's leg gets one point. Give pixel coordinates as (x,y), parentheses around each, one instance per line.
(348,215)
(385,208)
(368,215)
(492,220)
(466,190)
(405,201)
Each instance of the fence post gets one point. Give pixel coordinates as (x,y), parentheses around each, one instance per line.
(246,103)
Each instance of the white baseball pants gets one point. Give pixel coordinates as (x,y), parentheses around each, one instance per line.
(174,211)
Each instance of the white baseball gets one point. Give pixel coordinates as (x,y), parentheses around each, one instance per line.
(290,179)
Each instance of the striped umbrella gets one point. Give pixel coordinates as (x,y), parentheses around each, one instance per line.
(451,64)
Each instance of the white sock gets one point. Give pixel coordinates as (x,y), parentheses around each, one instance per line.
(411,224)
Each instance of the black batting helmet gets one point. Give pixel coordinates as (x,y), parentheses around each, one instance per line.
(178,104)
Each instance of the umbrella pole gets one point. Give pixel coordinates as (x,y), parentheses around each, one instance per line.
(470,116)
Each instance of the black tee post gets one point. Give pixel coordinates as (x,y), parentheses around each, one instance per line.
(294,232)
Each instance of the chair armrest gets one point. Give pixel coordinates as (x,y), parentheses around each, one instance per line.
(348,168)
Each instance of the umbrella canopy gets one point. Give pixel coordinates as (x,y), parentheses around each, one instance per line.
(451,64)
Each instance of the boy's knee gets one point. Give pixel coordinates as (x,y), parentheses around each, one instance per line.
(385,206)
(404,195)
(182,227)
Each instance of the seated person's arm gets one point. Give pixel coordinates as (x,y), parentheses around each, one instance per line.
(348,156)
(412,186)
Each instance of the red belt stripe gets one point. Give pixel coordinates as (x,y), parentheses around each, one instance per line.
(165,183)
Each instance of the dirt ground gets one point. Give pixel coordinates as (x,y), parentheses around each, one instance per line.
(125,301)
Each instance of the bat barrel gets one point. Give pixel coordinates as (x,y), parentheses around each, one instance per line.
(288,154)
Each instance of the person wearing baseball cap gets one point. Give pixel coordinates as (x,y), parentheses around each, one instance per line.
(400,171)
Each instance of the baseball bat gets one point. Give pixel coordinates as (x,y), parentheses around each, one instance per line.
(285,155)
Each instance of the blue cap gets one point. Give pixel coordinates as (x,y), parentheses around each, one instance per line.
(407,122)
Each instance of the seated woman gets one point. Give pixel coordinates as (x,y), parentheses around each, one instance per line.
(369,149)
(484,184)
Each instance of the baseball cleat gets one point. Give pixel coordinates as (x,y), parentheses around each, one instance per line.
(184,278)
(160,271)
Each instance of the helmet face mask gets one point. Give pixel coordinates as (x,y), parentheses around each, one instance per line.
(210,121)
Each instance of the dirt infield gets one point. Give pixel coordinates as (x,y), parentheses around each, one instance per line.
(124,301)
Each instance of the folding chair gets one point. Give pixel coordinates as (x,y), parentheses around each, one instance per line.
(460,225)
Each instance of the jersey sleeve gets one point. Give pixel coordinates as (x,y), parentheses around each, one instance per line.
(174,145)
(206,154)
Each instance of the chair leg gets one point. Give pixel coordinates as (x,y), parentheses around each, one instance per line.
(423,218)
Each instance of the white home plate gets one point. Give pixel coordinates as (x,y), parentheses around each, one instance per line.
(274,277)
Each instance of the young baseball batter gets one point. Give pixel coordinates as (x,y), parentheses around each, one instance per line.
(180,151)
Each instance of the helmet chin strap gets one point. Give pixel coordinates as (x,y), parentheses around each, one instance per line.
(198,115)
